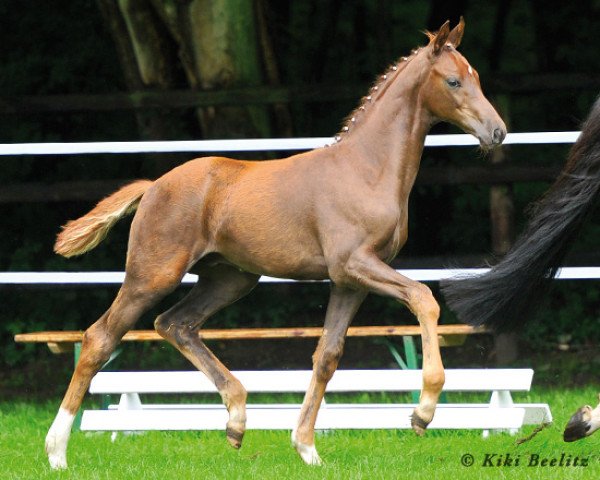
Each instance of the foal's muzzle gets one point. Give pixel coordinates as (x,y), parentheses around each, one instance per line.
(498,136)
(491,135)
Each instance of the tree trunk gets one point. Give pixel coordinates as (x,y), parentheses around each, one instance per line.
(225,52)
(147,62)
(198,44)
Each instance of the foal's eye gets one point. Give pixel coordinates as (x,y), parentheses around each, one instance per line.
(453,82)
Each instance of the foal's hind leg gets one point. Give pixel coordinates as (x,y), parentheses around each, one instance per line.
(217,287)
(99,341)
(343,304)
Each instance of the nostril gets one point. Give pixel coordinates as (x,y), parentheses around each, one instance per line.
(497,136)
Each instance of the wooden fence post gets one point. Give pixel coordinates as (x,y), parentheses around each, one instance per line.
(502,217)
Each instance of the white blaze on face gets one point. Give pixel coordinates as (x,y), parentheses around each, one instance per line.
(469,67)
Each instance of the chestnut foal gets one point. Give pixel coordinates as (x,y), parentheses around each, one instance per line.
(336,213)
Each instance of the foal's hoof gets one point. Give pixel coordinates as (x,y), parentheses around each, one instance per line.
(235,437)
(308,453)
(418,424)
(579,425)
(57,457)
(57,462)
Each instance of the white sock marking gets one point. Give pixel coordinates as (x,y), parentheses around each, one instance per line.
(57,439)
(308,453)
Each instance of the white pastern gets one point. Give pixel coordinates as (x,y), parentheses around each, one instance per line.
(308,453)
(57,439)
(594,420)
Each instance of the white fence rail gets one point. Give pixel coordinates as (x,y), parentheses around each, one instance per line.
(257,144)
(272,144)
(116,278)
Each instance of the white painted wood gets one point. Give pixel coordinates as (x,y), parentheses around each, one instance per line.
(535,413)
(116,278)
(127,402)
(132,415)
(465,380)
(500,398)
(257,144)
(276,417)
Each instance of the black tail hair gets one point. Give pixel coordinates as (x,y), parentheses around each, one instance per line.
(504,297)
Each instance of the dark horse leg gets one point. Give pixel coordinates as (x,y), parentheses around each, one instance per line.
(343,304)
(217,287)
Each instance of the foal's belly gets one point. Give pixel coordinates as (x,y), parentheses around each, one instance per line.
(275,257)
(271,246)
(280,266)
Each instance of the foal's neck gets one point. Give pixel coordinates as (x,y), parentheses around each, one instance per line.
(386,144)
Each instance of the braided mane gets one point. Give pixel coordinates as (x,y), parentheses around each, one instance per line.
(376,91)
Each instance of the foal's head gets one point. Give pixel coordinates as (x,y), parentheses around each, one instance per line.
(452,91)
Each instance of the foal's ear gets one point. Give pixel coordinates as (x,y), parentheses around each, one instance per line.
(441,38)
(456,34)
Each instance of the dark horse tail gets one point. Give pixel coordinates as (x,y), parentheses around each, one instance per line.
(506,295)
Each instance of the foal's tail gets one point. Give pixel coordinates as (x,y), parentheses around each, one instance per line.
(503,297)
(81,235)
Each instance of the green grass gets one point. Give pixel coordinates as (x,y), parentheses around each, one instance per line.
(373,454)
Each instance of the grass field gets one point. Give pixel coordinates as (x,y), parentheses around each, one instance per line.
(268,454)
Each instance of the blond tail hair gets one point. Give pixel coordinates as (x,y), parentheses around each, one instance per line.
(85,233)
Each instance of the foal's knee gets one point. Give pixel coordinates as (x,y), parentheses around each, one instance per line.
(326,360)
(423,303)
(97,346)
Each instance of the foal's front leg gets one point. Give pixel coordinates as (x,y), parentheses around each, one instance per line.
(343,304)
(368,271)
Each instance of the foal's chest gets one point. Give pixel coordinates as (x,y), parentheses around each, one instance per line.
(392,232)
